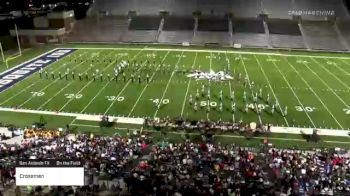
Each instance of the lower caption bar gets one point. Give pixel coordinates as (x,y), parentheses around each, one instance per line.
(49,176)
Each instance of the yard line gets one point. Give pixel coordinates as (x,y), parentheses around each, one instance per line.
(62,89)
(273,92)
(219,51)
(143,90)
(188,86)
(343,70)
(346,86)
(295,95)
(15,95)
(327,85)
(229,83)
(99,92)
(85,86)
(312,90)
(210,62)
(126,85)
(250,86)
(37,81)
(167,85)
(47,86)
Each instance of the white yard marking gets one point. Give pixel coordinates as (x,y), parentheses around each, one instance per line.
(62,89)
(210,62)
(341,69)
(295,95)
(15,95)
(219,51)
(345,85)
(327,86)
(273,92)
(144,88)
(167,85)
(101,90)
(250,86)
(312,90)
(188,86)
(126,85)
(47,86)
(37,81)
(229,82)
(85,86)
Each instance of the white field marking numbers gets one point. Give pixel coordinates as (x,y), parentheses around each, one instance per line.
(180,56)
(37,94)
(73,96)
(241,58)
(122,54)
(213,56)
(205,104)
(164,101)
(272,60)
(305,109)
(115,98)
(151,55)
(331,63)
(312,90)
(260,106)
(347,111)
(302,61)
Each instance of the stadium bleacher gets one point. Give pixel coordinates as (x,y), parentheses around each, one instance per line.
(321,35)
(277,8)
(105,29)
(287,41)
(207,37)
(283,26)
(212,30)
(140,36)
(248,25)
(122,7)
(176,23)
(213,24)
(176,7)
(144,23)
(250,39)
(219,8)
(344,28)
(320,5)
(246,8)
(177,29)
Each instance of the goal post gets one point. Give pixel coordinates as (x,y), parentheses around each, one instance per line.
(2,53)
(18,42)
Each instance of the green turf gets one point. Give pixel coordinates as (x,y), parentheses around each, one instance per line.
(320,88)
(316,91)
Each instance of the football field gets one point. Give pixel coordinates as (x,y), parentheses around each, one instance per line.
(289,90)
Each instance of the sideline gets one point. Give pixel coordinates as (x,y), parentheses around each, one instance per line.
(139,121)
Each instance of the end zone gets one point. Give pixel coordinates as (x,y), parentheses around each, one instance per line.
(22,71)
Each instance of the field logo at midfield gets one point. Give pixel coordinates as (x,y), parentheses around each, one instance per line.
(201,75)
(12,76)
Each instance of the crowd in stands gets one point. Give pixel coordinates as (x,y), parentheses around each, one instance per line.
(141,167)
